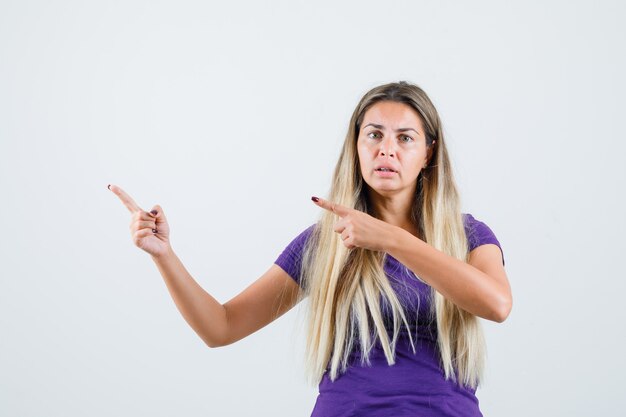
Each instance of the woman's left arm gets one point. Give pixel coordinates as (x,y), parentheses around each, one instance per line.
(479,286)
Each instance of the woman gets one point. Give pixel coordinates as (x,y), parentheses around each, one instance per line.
(395,275)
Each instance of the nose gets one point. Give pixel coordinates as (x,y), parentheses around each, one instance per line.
(387,147)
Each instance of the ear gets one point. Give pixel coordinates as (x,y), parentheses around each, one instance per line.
(429,152)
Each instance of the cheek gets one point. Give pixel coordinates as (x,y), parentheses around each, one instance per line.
(418,157)
(365,163)
(416,162)
(363,155)
(363,168)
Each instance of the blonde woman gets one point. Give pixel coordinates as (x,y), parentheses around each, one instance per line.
(395,275)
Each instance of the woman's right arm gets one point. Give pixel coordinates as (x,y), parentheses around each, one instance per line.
(266,299)
(205,315)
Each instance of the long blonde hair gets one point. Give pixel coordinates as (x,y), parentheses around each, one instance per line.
(344,286)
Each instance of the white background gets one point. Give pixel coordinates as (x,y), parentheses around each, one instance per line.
(230,116)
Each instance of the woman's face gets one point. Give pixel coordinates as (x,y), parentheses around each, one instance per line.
(391,136)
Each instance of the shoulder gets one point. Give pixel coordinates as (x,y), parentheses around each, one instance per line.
(478,233)
(291,257)
(300,240)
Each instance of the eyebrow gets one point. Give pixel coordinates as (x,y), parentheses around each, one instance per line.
(402,129)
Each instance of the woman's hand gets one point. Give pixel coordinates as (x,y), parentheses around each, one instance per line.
(358,229)
(149,230)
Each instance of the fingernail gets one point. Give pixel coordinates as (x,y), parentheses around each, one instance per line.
(315,199)
(154,230)
(109,186)
(153,212)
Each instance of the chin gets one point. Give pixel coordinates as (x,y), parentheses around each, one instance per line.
(383,188)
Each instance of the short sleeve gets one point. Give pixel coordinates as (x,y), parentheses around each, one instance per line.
(290,260)
(478,233)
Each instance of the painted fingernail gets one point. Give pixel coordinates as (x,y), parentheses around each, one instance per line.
(154,212)
(315,199)
(154,230)
(109,186)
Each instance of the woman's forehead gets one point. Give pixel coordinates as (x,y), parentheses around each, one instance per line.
(392,115)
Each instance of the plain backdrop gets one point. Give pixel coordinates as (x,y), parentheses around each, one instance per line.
(231,116)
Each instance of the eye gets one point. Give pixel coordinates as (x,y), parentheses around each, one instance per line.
(406,138)
(373,135)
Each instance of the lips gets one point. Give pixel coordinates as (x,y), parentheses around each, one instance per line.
(385,168)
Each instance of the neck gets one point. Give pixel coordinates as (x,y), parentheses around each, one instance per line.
(394,209)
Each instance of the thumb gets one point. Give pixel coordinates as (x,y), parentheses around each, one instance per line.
(157,213)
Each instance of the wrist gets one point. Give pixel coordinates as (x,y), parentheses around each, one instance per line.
(392,239)
(167,253)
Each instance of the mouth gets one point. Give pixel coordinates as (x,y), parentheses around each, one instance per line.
(385,172)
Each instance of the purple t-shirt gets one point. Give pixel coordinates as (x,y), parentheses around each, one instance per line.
(415,385)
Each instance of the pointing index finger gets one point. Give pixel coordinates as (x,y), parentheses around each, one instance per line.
(335,208)
(126,199)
